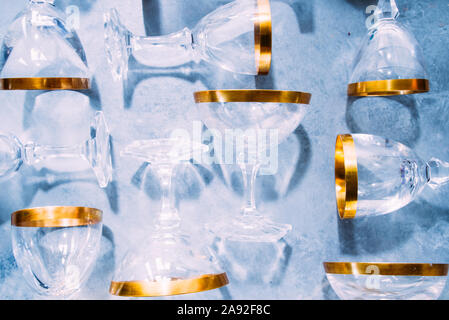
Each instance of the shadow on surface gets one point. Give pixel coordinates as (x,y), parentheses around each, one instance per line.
(396,118)
(254,262)
(384,233)
(31,95)
(304,10)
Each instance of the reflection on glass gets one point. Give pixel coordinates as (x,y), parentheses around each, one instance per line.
(56,247)
(386,281)
(40,52)
(390,61)
(96,150)
(375,175)
(258,119)
(235,37)
(167,262)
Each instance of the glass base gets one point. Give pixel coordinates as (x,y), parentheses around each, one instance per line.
(99,150)
(117,45)
(250,228)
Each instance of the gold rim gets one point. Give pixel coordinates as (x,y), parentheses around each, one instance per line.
(387,269)
(49,217)
(168,288)
(388,87)
(255,95)
(263,37)
(346,183)
(44,84)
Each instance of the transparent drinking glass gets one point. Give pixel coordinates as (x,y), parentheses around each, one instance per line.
(386,281)
(56,247)
(96,151)
(256,121)
(390,60)
(41,52)
(167,262)
(375,175)
(235,37)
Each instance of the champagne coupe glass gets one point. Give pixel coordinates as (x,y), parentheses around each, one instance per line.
(167,262)
(96,150)
(390,61)
(249,114)
(56,247)
(386,281)
(235,37)
(375,176)
(41,52)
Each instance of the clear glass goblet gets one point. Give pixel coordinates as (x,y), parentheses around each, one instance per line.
(96,150)
(390,60)
(386,281)
(375,175)
(56,247)
(167,262)
(251,117)
(235,37)
(41,52)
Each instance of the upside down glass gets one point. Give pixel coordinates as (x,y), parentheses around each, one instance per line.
(390,60)
(96,151)
(56,247)
(167,262)
(386,281)
(253,117)
(375,175)
(41,52)
(235,37)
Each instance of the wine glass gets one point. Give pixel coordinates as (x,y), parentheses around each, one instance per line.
(56,247)
(96,151)
(40,52)
(386,281)
(168,262)
(390,61)
(375,175)
(235,37)
(248,115)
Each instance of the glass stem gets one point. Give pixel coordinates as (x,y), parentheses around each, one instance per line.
(437,173)
(168,217)
(170,50)
(249,172)
(34,153)
(386,9)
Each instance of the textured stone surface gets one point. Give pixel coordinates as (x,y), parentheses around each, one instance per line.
(313,52)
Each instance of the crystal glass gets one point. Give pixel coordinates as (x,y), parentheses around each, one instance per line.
(252,117)
(167,262)
(96,150)
(386,281)
(40,52)
(375,176)
(390,61)
(56,247)
(235,37)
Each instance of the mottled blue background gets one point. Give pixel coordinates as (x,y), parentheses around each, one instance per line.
(314,45)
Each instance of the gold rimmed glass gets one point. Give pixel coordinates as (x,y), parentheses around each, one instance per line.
(235,37)
(390,60)
(41,52)
(375,175)
(258,120)
(56,247)
(386,281)
(167,261)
